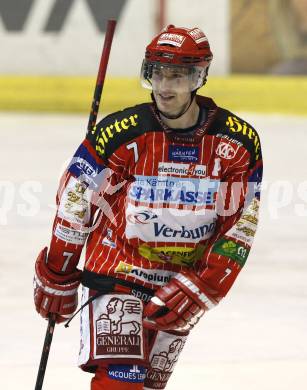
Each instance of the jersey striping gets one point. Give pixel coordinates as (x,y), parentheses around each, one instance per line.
(149,201)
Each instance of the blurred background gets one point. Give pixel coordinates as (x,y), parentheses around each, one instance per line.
(49,55)
(50,51)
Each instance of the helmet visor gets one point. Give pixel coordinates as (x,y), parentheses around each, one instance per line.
(180,78)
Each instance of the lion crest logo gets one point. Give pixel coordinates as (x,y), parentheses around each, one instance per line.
(119,317)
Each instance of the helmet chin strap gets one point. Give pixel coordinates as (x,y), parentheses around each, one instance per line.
(182,112)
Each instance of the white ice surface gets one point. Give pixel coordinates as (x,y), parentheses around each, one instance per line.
(255,339)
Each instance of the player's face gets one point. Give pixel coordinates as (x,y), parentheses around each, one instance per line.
(171,89)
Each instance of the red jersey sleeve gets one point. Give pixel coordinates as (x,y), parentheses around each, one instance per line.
(238,210)
(76,207)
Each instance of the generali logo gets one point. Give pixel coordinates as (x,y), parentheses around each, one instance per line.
(118,329)
(118,316)
(162,364)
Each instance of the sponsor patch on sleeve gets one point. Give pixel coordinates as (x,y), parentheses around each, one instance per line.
(254,182)
(245,229)
(231,249)
(84,164)
(74,205)
(71,236)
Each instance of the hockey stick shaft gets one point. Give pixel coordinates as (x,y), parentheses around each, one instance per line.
(92,121)
(101,73)
(45,352)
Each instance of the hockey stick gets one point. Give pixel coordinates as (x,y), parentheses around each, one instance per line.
(92,121)
(101,73)
(45,352)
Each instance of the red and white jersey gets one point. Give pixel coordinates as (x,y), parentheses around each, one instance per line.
(149,201)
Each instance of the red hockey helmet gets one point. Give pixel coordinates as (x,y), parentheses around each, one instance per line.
(178,48)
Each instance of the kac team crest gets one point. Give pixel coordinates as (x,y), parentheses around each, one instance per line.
(225,150)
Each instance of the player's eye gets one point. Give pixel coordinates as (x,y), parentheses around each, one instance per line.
(177,75)
(157,73)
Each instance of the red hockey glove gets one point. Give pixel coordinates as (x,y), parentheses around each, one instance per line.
(54,293)
(179,304)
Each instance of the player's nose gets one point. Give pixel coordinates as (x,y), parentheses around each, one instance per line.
(166,85)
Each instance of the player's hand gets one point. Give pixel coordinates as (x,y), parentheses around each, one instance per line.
(54,293)
(179,304)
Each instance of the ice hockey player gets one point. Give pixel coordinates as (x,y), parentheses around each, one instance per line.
(165,195)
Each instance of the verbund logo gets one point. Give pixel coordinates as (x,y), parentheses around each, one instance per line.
(197,233)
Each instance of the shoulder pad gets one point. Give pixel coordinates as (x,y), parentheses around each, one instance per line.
(120,127)
(232,126)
